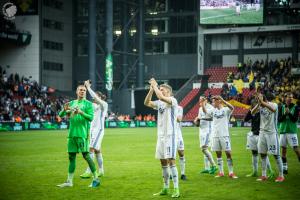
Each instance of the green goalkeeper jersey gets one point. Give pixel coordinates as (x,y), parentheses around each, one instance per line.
(79,123)
(288,122)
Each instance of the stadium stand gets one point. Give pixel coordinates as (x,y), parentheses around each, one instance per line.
(219,74)
(186,100)
(23,99)
(273,76)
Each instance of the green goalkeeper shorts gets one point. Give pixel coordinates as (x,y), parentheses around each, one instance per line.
(78,145)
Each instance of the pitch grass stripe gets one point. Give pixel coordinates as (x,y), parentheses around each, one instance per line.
(213,17)
(25,175)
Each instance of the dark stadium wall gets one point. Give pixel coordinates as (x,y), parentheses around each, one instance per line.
(122,102)
(140,108)
(23,60)
(57,44)
(170,66)
(81,70)
(131,102)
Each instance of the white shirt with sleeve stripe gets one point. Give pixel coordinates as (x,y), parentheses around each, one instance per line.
(100,112)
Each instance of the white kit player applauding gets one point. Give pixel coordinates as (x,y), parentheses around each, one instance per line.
(268,141)
(97,129)
(220,133)
(166,132)
(205,129)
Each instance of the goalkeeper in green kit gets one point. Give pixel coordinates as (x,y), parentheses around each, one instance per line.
(81,113)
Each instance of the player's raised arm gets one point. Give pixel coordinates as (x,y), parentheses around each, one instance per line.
(147,101)
(225,102)
(159,93)
(98,100)
(256,107)
(265,104)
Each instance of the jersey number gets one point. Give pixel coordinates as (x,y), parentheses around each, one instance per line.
(272,148)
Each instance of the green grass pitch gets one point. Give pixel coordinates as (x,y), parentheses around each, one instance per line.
(228,16)
(34,162)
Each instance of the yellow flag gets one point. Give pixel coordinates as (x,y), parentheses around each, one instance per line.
(251,76)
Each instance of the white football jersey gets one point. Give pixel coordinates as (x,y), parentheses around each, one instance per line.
(220,123)
(268,119)
(166,117)
(205,124)
(100,112)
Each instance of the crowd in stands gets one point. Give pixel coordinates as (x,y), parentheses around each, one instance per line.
(273,77)
(214,3)
(24,100)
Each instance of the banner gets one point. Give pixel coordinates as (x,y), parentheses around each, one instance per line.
(109,72)
(129,124)
(13,126)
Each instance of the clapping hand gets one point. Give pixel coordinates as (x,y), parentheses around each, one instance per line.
(67,106)
(287,111)
(153,82)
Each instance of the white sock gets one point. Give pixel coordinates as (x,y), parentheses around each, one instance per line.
(220,164)
(100,162)
(209,157)
(70,177)
(255,163)
(206,163)
(279,165)
(174,173)
(182,165)
(264,166)
(230,165)
(165,174)
(269,167)
(88,170)
(285,165)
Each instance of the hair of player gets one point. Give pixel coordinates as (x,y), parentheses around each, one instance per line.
(269,96)
(167,87)
(203,97)
(101,95)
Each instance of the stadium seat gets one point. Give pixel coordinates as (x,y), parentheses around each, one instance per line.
(185,101)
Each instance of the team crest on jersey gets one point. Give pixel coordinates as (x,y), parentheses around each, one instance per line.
(265,112)
(219,115)
(161,110)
